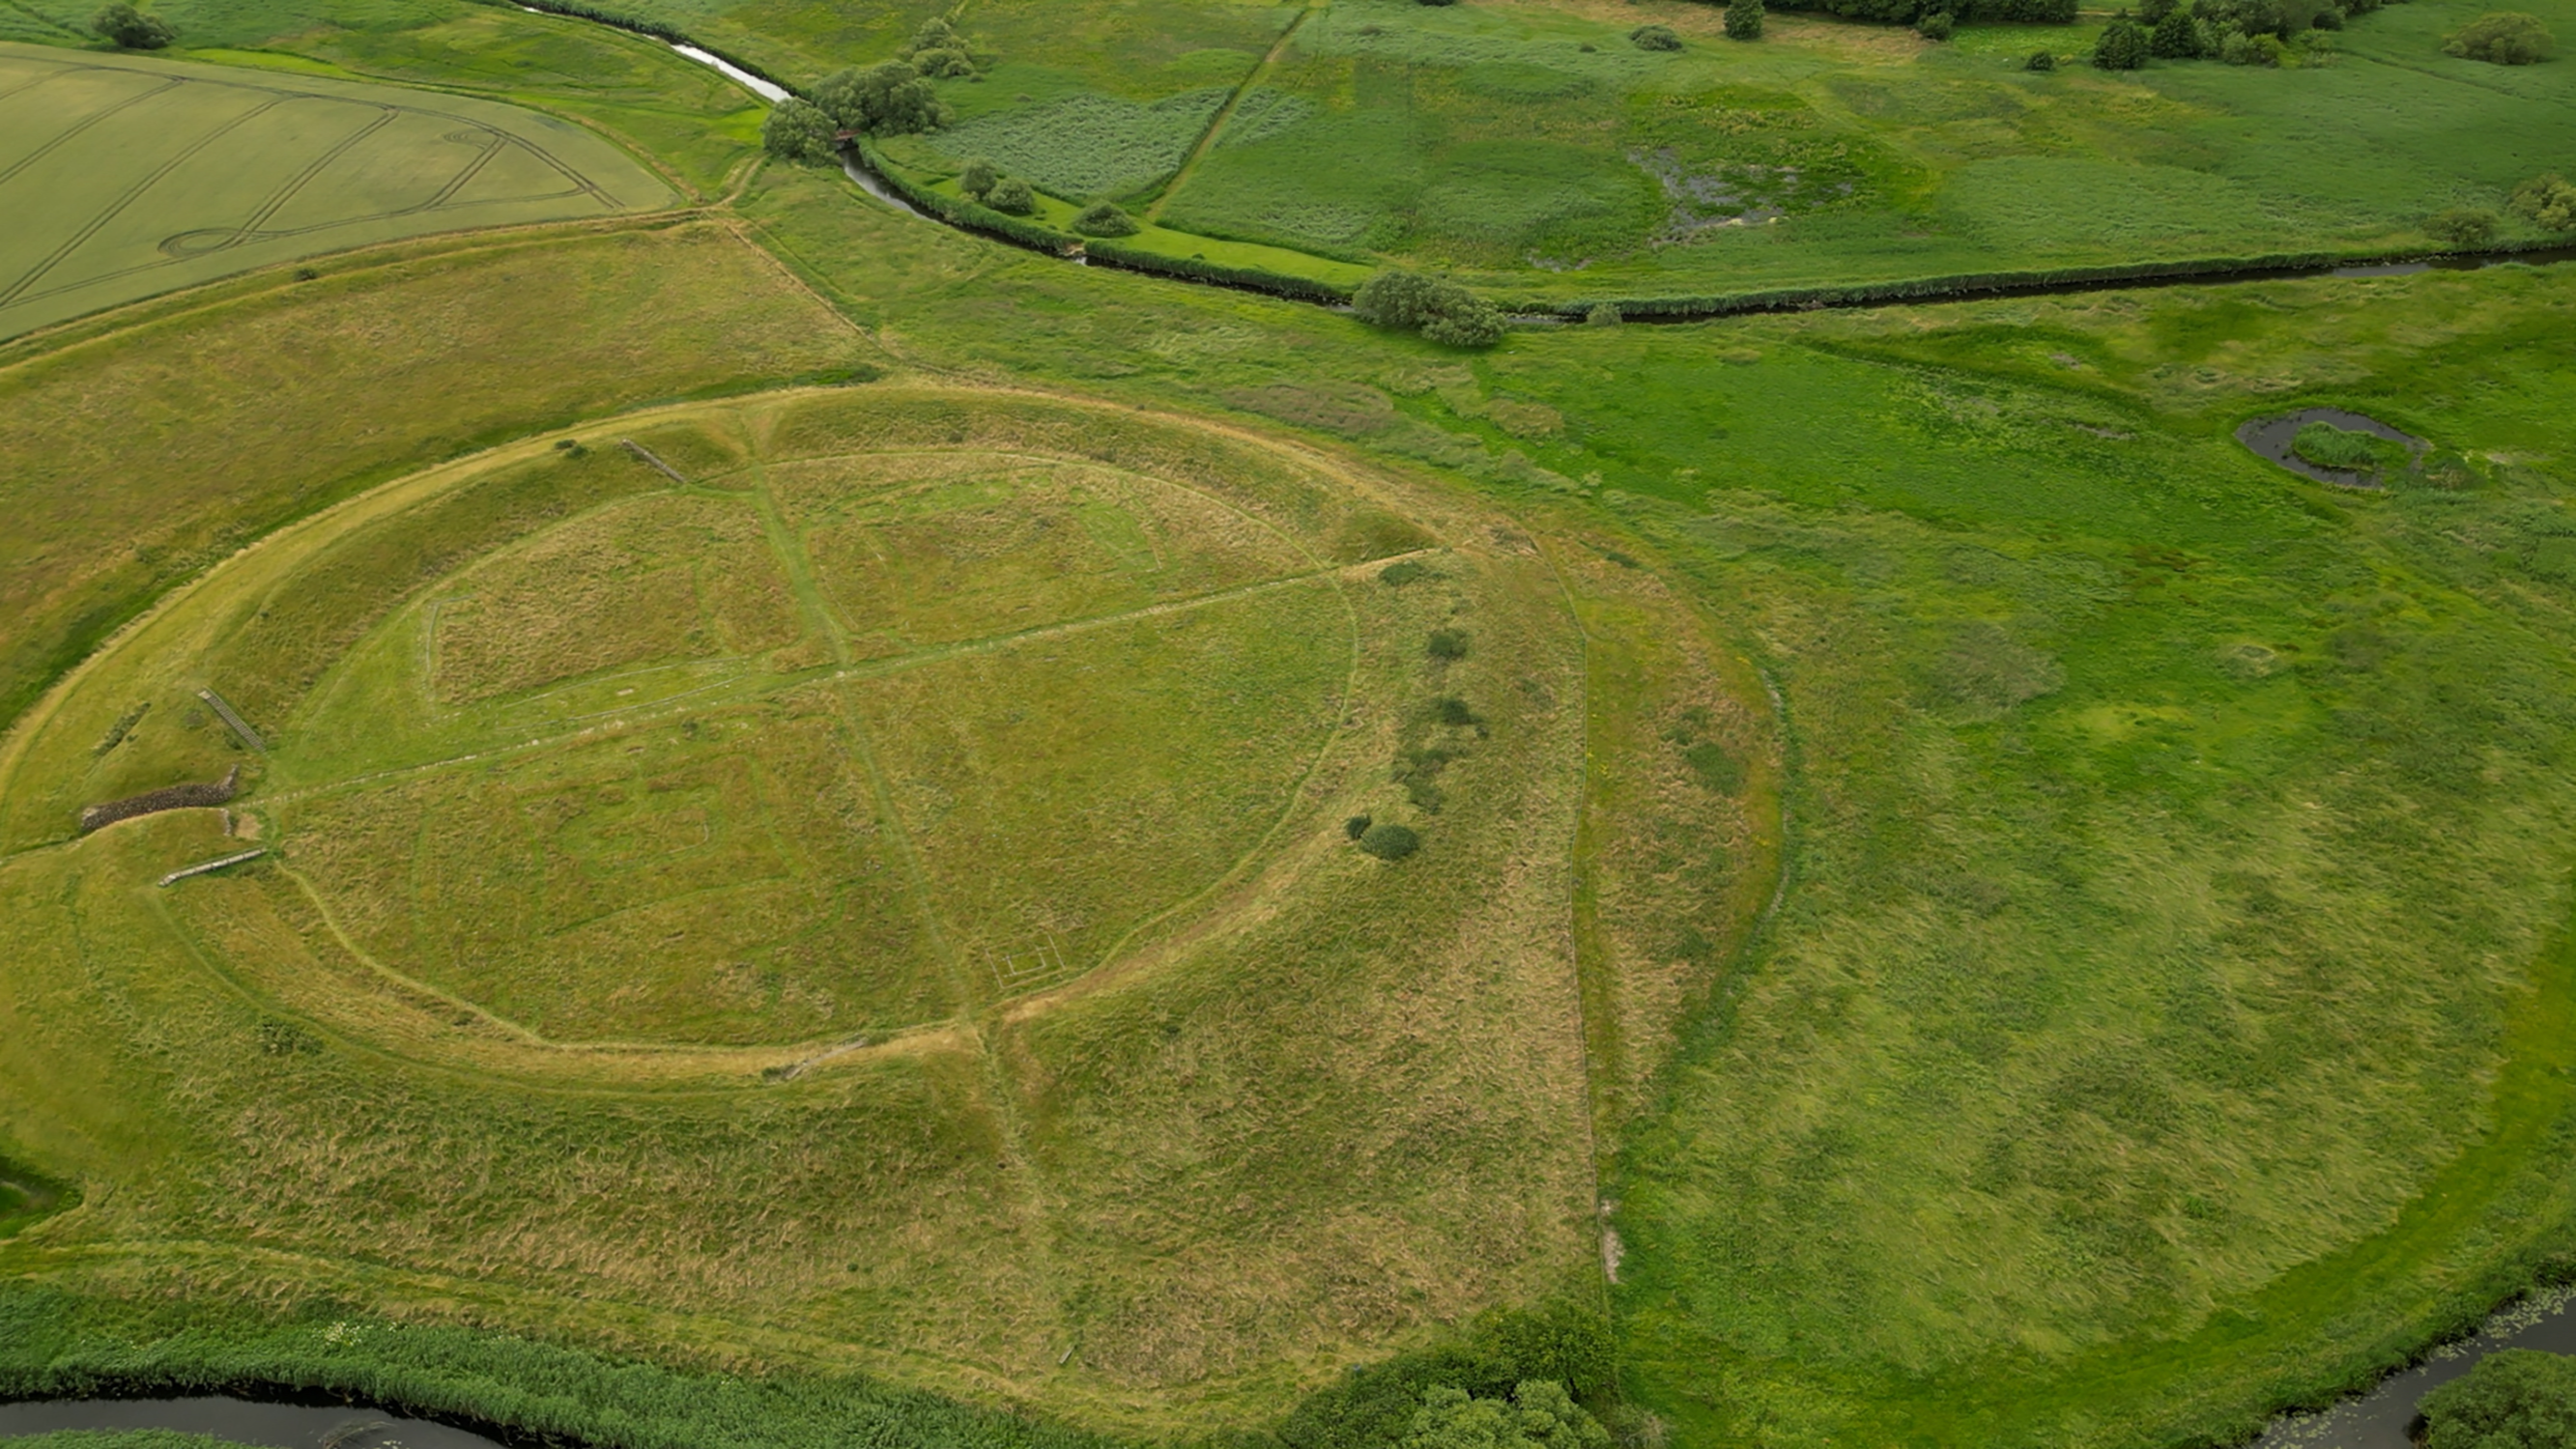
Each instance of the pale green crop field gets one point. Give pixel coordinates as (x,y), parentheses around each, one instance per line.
(127,177)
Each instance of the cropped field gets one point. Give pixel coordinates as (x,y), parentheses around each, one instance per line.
(130,177)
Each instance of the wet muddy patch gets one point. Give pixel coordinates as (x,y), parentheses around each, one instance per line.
(2334,445)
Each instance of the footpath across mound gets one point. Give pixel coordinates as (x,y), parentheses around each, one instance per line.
(856,713)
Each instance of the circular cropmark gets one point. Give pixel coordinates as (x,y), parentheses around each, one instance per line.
(765,728)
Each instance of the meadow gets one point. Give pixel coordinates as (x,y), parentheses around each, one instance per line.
(120,172)
(1954,903)
(1533,150)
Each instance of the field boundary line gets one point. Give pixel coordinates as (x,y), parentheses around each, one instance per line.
(1224,113)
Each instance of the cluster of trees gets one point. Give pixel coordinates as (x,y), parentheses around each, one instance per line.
(894,98)
(2548,202)
(2503,37)
(1436,307)
(2517,1398)
(2239,32)
(1540,1414)
(1009,195)
(131,28)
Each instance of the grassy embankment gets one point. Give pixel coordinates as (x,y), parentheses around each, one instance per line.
(2125,764)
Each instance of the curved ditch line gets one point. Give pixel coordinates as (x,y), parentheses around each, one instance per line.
(84,123)
(134,193)
(250,229)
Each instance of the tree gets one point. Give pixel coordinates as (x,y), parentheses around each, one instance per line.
(1011,197)
(1655,37)
(131,28)
(2502,37)
(2516,1398)
(1104,218)
(797,130)
(978,179)
(2548,201)
(1935,25)
(1439,309)
(2176,37)
(2462,228)
(1539,1415)
(2123,45)
(1744,20)
(888,99)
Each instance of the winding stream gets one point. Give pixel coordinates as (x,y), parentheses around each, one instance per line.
(2384,1418)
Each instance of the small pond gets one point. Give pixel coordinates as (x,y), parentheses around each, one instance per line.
(2272,437)
(2384,1417)
(314,1425)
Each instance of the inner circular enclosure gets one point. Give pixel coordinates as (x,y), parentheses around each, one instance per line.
(840,735)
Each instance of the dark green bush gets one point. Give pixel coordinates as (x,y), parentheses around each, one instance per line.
(1938,25)
(2548,201)
(1404,571)
(1539,1415)
(2502,37)
(131,28)
(1450,710)
(799,131)
(2516,1398)
(1654,37)
(883,100)
(1744,20)
(2462,228)
(1104,218)
(1390,841)
(2176,37)
(1448,644)
(2122,46)
(1011,197)
(978,179)
(1374,1406)
(1439,309)
(2040,60)
(1357,826)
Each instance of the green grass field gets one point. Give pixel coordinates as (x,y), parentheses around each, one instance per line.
(1956,904)
(133,177)
(1532,149)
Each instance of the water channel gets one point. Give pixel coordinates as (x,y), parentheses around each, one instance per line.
(314,1424)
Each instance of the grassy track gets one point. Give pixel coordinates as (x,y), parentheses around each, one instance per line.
(128,175)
